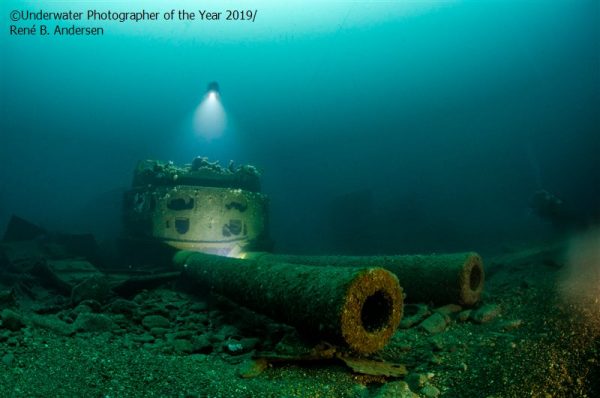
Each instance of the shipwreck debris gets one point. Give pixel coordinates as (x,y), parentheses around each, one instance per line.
(438,278)
(359,308)
(200,206)
(20,229)
(324,353)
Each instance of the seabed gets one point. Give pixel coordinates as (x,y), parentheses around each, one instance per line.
(156,338)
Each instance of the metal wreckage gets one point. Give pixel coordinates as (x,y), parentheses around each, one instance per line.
(212,221)
(205,227)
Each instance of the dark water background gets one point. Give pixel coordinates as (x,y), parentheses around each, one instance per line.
(437,124)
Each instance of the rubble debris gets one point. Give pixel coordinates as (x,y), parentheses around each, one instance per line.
(375,368)
(217,342)
(96,287)
(449,309)
(89,322)
(413,314)
(509,325)
(128,286)
(436,323)
(252,367)
(63,275)
(485,313)
(51,323)
(155,321)
(417,381)
(396,389)
(464,315)
(430,391)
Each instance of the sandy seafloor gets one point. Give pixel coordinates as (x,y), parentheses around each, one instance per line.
(535,334)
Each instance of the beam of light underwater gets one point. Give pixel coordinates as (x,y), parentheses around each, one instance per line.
(209,118)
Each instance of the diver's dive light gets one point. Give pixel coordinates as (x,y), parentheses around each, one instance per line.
(213,89)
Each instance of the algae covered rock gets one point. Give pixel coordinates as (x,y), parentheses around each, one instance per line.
(430,391)
(413,315)
(155,321)
(395,389)
(96,288)
(88,322)
(252,368)
(486,313)
(12,320)
(436,323)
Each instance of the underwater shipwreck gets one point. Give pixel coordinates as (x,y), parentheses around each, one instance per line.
(200,283)
(203,209)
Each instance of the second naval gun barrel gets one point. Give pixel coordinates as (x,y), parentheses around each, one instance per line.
(357,307)
(437,278)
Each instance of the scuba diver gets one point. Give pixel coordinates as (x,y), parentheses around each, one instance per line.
(551,208)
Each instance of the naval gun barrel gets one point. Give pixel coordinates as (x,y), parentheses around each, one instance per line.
(356,307)
(437,278)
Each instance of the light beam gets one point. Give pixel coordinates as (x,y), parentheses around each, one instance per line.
(209,118)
